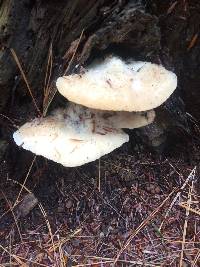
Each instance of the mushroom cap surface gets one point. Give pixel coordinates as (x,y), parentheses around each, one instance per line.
(127,120)
(69,137)
(116,119)
(119,86)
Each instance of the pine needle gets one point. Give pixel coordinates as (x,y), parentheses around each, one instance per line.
(72,58)
(49,90)
(185,224)
(22,187)
(15,218)
(25,79)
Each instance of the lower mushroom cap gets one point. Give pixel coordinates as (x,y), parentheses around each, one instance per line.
(116,119)
(69,138)
(119,86)
(127,120)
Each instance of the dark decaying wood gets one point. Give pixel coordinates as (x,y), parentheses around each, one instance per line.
(30,27)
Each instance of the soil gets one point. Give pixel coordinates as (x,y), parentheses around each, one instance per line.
(134,207)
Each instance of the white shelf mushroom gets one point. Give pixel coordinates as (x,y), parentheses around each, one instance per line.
(106,94)
(119,86)
(70,137)
(77,135)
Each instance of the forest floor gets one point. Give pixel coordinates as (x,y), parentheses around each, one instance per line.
(130,208)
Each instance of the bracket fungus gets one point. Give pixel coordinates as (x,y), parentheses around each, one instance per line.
(119,86)
(102,103)
(69,138)
(77,135)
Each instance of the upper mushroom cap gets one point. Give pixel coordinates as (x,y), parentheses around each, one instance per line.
(119,86)
(69,137)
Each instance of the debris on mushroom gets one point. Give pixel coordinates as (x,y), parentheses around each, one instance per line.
(116,119)
(116,85)
(70,137)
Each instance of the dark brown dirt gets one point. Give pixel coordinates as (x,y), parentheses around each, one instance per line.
(88,213)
